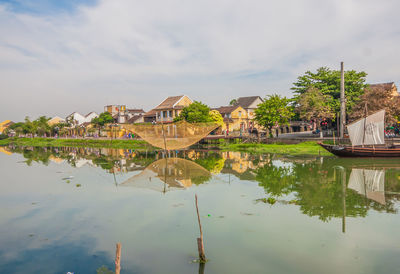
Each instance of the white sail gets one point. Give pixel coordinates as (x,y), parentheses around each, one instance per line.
(369,130)
(370,183)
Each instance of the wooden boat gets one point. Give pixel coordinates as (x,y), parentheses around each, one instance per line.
(366,151)
(367,139)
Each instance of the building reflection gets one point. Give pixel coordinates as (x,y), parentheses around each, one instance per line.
(325,187)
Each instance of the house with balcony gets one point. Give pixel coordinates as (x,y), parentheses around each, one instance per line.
(168,109)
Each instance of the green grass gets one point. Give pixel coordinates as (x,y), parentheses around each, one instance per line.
(305,148)
(47,142)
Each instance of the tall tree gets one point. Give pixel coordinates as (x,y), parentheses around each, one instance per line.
(378,98)
(328,82)
(275,110)
(103,119)
(197,112)
(313,105)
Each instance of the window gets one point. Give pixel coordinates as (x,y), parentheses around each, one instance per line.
(240,114)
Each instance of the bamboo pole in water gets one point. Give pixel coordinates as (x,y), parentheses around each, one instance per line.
(200,244)
(118,259)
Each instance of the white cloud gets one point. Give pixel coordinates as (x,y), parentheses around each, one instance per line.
(138,52)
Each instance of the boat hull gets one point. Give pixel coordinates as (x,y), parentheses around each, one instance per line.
(356,151)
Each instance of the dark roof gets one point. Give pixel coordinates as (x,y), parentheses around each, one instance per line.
(245,102)
(169,102)
(151,113)
(135,110)
(227,109)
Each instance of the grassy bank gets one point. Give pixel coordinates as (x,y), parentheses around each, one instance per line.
(48,142)
(305,148)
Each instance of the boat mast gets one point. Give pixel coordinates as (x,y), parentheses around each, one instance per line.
(342,102)
(365,122)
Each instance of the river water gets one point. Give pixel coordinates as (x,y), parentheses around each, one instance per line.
(64,209)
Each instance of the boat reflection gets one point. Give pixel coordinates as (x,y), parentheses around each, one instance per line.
(368,182)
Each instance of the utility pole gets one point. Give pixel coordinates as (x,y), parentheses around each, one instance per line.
(342,102)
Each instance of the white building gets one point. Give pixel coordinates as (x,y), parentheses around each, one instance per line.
(76,118)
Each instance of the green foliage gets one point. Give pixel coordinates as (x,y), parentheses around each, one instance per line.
(3,136)
(328,82)
(38,126)
(196,112)
(213,162)
(312,104)
(276,181)
(275,110)
(103,119)
(216,117)
(233,102)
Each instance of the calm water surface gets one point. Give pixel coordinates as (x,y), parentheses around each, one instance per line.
(63,210)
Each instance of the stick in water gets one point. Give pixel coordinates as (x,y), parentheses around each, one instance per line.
(200,244)
(118,259)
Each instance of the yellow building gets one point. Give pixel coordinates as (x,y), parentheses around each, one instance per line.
(250,104)
(235,118)
(55,120)
(5,124)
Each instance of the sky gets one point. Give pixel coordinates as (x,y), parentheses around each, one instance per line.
(61,56)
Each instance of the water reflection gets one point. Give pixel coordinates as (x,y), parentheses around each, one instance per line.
(169,174)
(43,215)
(315,184)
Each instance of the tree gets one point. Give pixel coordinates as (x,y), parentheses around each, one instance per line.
(233,102)
(196,112)
(216,117)
(328,82)
(378,98)
(275,110)
(313,105)
(104,118)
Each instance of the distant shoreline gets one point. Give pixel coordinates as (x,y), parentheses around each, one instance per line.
(305,148)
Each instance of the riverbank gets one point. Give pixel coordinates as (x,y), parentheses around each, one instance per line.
(305,148)
(98,143)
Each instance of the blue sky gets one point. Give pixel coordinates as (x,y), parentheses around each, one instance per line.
(45,7)
(57,57)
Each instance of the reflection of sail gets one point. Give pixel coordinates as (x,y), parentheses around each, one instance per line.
(177,135)
(368,131)
(370,183)
(175,172)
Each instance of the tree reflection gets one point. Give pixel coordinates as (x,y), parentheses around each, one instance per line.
(318,190)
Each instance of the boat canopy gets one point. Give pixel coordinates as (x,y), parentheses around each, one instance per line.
(369,130)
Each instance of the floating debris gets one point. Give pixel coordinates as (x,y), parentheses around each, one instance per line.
(78,185)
